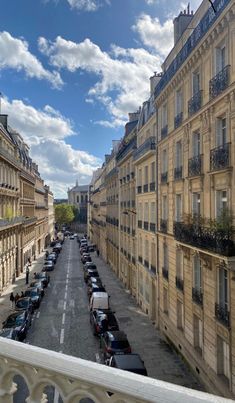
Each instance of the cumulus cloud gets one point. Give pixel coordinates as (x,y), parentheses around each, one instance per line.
(154,34)
(124,72)
(15,54)
(45,131)
(87,5)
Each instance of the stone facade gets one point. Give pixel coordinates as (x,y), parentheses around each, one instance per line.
(78,197)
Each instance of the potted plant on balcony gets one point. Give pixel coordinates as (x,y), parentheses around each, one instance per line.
(223,230)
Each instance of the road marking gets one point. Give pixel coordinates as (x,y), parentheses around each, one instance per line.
(65,295)
(66,287)
(65,305)
(63,319)
(66,282)
(62,336)
(38,314)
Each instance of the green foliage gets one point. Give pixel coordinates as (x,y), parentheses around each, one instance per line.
(64,213)
(224,222)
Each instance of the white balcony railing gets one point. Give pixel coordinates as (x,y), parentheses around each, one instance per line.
(76,379)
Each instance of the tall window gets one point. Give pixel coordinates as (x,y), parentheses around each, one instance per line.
(146,175)
(140,247)
(196,144)
(196,203)
(165,300)
(179,264)
(223,288)
(220,58)
(140,212)
(223,358)
(195,82)
(140,177)
(178,154)
(153,173)
(165,257)
(198,333)
(178,102)
(197,274)
(77,199)
(180,314)
(164,161)
(146,247)
(164,208)
(164,115)
(153,212)
(178,207)
(146,212)
(221,202)
(221,131)
(153,254)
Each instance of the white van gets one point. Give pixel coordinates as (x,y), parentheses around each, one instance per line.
(99,300)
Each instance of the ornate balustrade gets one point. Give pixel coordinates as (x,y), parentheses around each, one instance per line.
(164,132)
(164,177)
(165,273)
(179,282)
(148,145)
(178,171)
(195,166)
(222,314)
(11,222)
(197,296)
(163,225)
(152,187)
(178,120)
(195,103)
(219,82)
(220,157)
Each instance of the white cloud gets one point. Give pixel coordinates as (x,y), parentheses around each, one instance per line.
(124,72)
(14,54)
(45,132)
(155,35)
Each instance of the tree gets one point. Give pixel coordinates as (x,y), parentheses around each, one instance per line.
(64,213)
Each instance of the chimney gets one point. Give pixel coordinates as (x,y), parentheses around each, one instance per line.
(154,80)
(3,120)
(133,116)
(181,22)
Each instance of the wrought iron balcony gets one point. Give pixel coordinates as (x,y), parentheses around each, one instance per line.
(146,188)
(222,315)
(146,263)
(163,225)
(178,120)
(153,269)
(179,283)
(218,241)
(219,82)
(133,259)
(197,296)
(164,131)
(11,222)
(152,187)
(146,225)
(165,273)
(133,232)
(220,157)
(152,227)
(164,177)
(139,189)
(139,223)
(178,173)
(140,259)
(195,166)
(195,103)
(148,145)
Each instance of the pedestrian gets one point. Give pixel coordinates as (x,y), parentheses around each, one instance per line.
(27,275)
(98,253)
(22,294)
(16,297)
(104,323)
(12,300)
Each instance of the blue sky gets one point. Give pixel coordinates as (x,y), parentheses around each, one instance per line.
(71,70)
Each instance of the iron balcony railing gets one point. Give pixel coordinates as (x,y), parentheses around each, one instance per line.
(133,259)
(220,157)
(140,259)
(164,177)
(165,273)
(148,145)
(195,166)
(179,283)
(133,232)
(195,103)
(132,175)
(146,188)
(164,131)
(139,223)
(212,239)
(193,40)
(152,227)
(4,222)
(178,172)
(146,263)
(219,82)
(152,187)
(197,296)
(126,148)
(146,225)
(163,225)
(139,189)
(222,315)
(178,120)
(153,269)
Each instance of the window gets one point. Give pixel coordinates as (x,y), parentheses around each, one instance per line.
(164,115)
(221,132)
(195,82)
(197,274)
(220,58)
(198,333)
(178,207)
(81,198)
(164,161)
(223,361)
(164,208)
(223,288)
(146,247)
(196,144)
(178,102)
(153,254)
(180,314)
(179,264)
(196,202)
(153,212)
(77,199)
(165,300)
(140,247)
(140,212)
(146,212)
(221,202)
(140,177)
(165,257)
(141,283)
(178,154)
(153,172)
(146,175)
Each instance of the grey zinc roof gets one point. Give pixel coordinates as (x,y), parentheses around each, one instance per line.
(81,188)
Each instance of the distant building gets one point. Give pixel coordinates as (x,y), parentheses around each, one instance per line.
(78,197)
(60,201)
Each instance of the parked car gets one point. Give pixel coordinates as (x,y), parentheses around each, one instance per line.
(86,258)
(71,237)
(114,342)
(91,248)
(83,249)
(90,273)
(39,285)
(10,333)
(20,321)
(94,280)
(53,243)
(24,304)
(96,321)
(48,266)
(43,277)
(128,362)
(99,300)
(93,287)
(52,256)
(34,294)
(89,265)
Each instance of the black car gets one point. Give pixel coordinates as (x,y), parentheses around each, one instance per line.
(24,304)
(38,284)
(52,256)
(90,273)
(114,342)
(43,277)
(94,280)
(97,318)
(10,333)
(128,362)
(86,258)
(34,294)
(48,266)
(89,265)
(20,321)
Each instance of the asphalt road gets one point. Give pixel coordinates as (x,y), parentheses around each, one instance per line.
(62,324)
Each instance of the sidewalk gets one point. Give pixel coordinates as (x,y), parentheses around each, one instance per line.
(18,286)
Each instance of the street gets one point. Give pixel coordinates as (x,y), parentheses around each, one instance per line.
(62,323)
